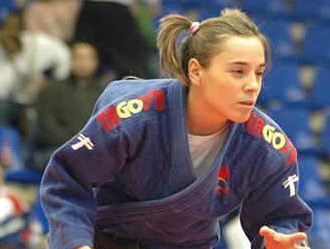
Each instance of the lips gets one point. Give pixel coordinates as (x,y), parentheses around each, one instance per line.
(247,102)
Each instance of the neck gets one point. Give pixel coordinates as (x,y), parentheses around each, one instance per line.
(202,119)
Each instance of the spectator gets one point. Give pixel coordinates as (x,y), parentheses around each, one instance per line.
(27,58)
(12,221)
(54,17)
(111,26)
(145,13)
(60,120)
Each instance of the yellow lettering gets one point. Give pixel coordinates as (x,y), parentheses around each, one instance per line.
(268,132)
(122,110)
(135,105)
(278,140)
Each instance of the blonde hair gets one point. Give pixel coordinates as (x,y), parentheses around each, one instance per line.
(203,44)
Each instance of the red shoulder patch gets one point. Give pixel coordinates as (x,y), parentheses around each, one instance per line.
(258,127)
(113,115)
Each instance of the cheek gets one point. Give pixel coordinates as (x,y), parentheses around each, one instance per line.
(219,94)
(220,88)
(227,89)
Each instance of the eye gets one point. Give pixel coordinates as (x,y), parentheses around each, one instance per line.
(238,72)
(260,73)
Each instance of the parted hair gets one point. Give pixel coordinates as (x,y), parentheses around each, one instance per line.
(205,43)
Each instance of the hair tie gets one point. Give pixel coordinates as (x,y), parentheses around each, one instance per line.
(194,28)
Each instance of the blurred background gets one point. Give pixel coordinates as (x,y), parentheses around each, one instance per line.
(56,56)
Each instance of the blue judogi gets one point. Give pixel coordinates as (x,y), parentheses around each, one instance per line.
(133,156)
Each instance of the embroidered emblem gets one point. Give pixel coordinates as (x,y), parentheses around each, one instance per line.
(83,141)
(223,176)
(126,109)
(257,126)
(289,183)
(112,116)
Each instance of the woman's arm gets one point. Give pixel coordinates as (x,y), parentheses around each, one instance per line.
(274,201)
(88,160)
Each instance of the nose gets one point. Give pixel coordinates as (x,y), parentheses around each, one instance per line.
(252,84)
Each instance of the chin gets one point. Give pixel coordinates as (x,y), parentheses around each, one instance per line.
(242,118)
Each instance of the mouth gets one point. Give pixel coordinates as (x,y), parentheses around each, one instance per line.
(247,103)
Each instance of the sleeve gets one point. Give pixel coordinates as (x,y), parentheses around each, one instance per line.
(89,159)
(274,201)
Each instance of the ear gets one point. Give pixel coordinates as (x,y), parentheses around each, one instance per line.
(194,71)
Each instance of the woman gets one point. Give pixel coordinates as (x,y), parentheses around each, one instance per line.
(160,160)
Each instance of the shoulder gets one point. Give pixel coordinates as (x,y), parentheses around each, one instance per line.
(129,102)
(125,90)
(268,135)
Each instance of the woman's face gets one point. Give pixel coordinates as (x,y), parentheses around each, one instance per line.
(84,60)
(230,85)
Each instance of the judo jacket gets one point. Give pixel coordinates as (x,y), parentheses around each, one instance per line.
(129,173)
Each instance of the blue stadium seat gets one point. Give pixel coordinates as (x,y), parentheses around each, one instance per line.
(320,96)
(25,176)
(219,4)
(11,150)
(316,9)
(269,7)
(316,45)
(312,191)
(170,9)
(295,123)
(11,156)
(210,5)
(325,136)
(171,6)
(320,232)
(204,9)
(282,84)
(279,33)
(311,187)
(253,6)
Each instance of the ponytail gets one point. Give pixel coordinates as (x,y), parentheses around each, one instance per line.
(171,26)
(203,41)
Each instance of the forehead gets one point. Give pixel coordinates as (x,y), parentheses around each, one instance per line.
(83,48)
(242,49)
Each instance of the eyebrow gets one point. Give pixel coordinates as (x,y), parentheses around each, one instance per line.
(242,63)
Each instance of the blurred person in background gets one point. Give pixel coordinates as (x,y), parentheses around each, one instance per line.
(12,221)
(112,27)
(147,15)
(27,60)
(63,107)
(54,17)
